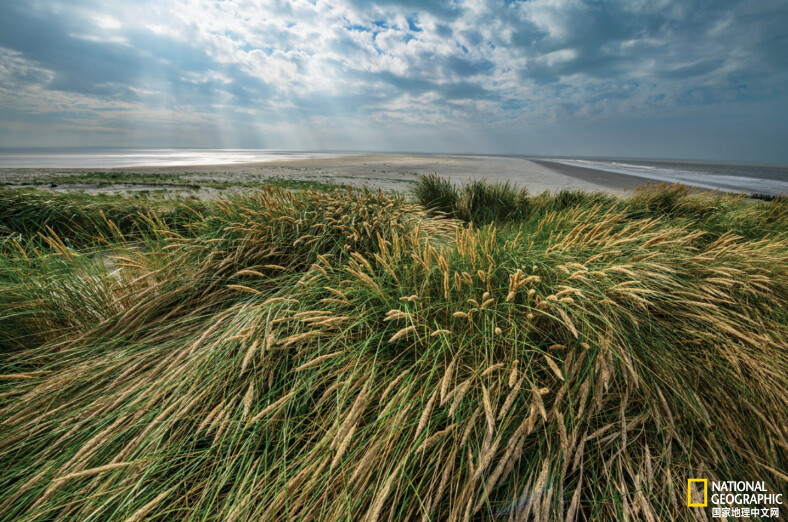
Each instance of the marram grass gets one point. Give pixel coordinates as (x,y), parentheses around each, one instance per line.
(346,356)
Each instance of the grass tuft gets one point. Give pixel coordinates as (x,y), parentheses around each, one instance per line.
(436,193)
(478,201)
(346,355)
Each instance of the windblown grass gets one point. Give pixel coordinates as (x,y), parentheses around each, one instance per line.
(345,356)
(80,219)
(478,201)
(436,193)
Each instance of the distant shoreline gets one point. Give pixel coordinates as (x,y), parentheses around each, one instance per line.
(387,171)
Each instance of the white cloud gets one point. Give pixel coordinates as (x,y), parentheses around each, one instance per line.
(106,22)
(476,65)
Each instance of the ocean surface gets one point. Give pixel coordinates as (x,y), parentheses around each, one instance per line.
(110,158)
(752,178)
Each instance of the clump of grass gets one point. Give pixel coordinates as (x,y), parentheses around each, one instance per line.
(436,193)
(478,201)
(300,184)
(345,356)
(482,202)
(81,219)
(565,199)
(671,199)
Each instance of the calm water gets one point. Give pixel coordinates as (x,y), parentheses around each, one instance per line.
(733,177)
(107,158)
(752,178)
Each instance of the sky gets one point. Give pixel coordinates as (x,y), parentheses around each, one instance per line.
(691,79)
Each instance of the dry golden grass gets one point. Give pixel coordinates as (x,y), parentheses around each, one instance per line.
(346,356)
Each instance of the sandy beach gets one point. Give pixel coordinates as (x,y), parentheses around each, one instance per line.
(391,172)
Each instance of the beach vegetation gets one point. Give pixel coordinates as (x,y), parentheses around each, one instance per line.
(478,201)
(353,355)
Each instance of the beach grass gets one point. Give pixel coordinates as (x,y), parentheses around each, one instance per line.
(477,353)
(122,181)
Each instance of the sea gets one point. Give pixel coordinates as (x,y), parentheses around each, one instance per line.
(110,158)
(751,178)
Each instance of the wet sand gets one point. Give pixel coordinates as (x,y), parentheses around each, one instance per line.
(610,181)
(385,171)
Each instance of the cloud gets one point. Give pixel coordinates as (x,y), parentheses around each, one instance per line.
(237,70)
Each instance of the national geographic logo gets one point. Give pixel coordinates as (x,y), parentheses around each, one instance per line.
(734,499)
(697,492)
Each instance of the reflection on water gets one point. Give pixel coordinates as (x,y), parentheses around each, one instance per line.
(751,178)
(732,177)
(118,158)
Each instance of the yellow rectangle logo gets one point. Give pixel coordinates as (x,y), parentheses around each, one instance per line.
(705,493)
